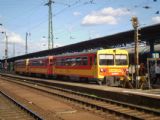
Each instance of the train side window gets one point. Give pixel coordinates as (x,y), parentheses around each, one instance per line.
(38,63)
(58,62)
(32,63)
(20,64)
(70,61)
(78,61)
(73,62)
(41,63)
(84,60)
(54,62)
(67,61)
(62,62)
(90,60)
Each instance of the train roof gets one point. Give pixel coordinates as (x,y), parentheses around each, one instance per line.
(86,52)
(73,54)
(38,58)
(22,60)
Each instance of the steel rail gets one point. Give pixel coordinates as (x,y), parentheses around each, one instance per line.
(31,113)
(99,107)
(44,83)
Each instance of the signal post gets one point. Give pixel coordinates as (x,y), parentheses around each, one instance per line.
(136,55)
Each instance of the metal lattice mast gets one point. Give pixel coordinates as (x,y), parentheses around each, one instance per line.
(6,52)
(50,27)
(6,49)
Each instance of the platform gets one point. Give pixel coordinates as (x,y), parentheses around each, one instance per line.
(146,98)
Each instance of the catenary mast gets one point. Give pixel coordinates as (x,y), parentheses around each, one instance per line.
(50,27)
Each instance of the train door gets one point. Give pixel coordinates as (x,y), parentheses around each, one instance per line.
(50,63)
(95,66)
(27,65)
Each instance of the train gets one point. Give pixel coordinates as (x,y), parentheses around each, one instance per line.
(101,66)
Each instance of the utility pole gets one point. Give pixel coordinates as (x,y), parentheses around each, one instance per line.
(136,40)
(50,27)
(26,51)
(13,49)
(6,49)
(28,34)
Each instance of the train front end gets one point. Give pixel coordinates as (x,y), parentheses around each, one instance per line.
(112,66)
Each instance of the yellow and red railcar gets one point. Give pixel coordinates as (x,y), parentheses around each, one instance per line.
(99,65)
(34,66)
(21,66)
(40,66)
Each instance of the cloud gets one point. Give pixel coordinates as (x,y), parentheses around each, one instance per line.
(93,19)
(42,45)
(114,12)
(12,36)
(15,38)
(156,19)
(76,13)
(105,16)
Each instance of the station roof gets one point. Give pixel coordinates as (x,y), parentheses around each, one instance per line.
(148,33)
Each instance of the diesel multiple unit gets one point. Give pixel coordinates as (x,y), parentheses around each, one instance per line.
(99,65)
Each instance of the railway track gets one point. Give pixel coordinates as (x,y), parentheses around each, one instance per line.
(12,110)
(94,103)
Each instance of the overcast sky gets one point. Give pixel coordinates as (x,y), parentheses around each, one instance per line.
(73,20)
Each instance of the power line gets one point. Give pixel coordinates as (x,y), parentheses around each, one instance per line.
(38,25)
(22,15)
(50,26)
(69,6)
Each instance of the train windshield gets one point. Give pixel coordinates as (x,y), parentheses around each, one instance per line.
(120,59)
(105,59)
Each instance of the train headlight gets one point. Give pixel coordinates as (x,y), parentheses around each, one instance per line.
(102,70)
(127,71)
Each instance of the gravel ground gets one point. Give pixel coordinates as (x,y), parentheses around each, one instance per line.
(49,107)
